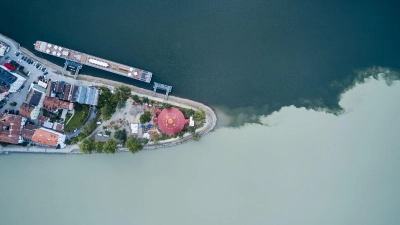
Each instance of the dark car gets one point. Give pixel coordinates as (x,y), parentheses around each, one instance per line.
(1,106)
(17,54)
(6,111)
(12,111)
(43,69)
(45,73)
(22,87)
(17,112)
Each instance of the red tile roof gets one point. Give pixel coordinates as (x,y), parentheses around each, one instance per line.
(45,137)
(43,119)
(25,110)
(10,128)
(28,131)
(51,104)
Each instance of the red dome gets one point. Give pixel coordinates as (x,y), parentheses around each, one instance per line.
(171,121)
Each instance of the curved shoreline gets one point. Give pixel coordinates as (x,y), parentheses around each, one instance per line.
(209,124)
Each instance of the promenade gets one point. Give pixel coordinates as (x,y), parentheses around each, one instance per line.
(87,80)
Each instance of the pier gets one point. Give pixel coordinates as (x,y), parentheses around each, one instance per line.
(78,59)
(163,87)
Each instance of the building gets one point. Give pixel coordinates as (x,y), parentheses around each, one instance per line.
(3,49)
(10,81)
(52,104)
(46,137)
(171,121)
(29,111)
(28,131)
(10,128)
(134,128)
(73,93)
(45,122)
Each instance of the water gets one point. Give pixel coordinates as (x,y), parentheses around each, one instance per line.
(252,56)
(306,167)
(248,58)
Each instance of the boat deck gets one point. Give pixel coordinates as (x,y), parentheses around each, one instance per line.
(93,61)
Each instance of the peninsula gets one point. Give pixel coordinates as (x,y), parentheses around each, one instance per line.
(46,108)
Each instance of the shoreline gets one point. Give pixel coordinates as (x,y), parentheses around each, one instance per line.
(209,124)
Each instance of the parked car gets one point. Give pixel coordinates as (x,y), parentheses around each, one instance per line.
(17,112)
(45,73)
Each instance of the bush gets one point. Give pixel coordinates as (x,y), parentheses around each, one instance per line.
(89,127)
(199,115)
(13,103)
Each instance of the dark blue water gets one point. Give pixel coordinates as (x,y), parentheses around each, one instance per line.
(250,56)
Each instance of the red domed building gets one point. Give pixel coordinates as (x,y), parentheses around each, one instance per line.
(170,121)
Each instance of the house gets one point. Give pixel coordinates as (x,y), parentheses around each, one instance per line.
(46,137)
(28,131)
(45,122)
(10,128)
(29,111)
(52,104)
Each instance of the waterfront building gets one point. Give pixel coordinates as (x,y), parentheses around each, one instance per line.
(44,137)
(10,128)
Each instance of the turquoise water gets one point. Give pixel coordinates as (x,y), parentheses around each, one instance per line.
(305,167)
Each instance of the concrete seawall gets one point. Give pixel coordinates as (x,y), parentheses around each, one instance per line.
(209,125)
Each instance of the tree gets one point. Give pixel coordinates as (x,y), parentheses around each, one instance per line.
(99,146)
(192,130)
(89,127)
(156,138)
(181,133)
(145,100)
(199,115)
(167,105)
(196,137)
(136,98)
(110,146)
(116,127)
(87,145)
(145,117)
(120,135)
(134,145)
(13,103)
(122,94)
(106,111)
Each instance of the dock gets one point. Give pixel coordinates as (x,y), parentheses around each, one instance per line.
(163,87)
(78,59)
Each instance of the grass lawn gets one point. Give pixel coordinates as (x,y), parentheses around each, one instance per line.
(77,119)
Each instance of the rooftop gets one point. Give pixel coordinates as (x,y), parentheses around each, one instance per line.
(25,110)
(10,127)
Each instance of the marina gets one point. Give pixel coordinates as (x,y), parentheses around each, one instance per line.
(77,59)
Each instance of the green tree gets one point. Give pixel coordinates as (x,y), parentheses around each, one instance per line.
(106,111)
(199,115)
(116,127)
(145,117)
(145,100)
(181,133)
(87,145)
(136,98)
(167,105)
(192,130)
(156,138)
(196,137)
(120,135)
(134,145)
(110,146)
(89,127)
(99,146)
(122,94)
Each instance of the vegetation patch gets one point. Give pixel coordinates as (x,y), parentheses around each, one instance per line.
(79,116)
